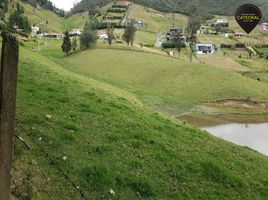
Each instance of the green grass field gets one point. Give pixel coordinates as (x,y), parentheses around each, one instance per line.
(99,136)
(158,79)
(161,82)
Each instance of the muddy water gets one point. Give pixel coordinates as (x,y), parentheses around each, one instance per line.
(254,136)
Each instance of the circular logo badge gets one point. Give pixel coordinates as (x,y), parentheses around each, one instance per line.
(248,17)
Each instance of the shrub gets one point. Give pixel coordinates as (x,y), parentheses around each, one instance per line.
(88,39)
(105,25)
(240,45)
(117,10)
(171,45)
(114,17)
(119,6)
(227,46)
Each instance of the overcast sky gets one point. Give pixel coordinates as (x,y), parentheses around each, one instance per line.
(64,4)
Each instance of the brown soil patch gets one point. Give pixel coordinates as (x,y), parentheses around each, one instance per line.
(242,102)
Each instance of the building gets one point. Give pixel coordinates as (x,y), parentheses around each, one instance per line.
(172,31)
(53,35)
(239,34)
(221,21)
(75,32)
(138,23)
(205,49)
(35,30)
(264,26)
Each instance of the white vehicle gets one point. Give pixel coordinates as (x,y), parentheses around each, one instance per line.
(103,36)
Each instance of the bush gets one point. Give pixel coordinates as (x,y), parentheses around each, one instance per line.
(171,45)
(227,46)
(105,25)
(119,6)
(117,10)
(114,17)
(261,46)
(240,45)
(88,39)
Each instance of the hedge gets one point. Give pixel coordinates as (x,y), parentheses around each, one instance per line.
(171,45)
(114,17)
(120,6)
(227,46)
(240,45)
(117,10)
(105,25)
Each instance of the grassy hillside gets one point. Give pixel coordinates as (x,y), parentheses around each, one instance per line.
(76,21)
(99,137)
(159,80)
(157,21)
(39,17)
(208,7)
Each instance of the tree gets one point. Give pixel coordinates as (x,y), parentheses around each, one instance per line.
(66,45)
(88,39)
(110,33)
(17,18)
(178,41)
(129,34)
(3,9)
(92,24)
(194,24)
(74,44)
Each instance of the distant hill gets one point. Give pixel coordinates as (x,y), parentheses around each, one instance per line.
(209,7)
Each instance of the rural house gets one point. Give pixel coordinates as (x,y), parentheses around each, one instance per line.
(35,30)
(172,31)
(264,26)
(221,21)
(75,32)
(205,49)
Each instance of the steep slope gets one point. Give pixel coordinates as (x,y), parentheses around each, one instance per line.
(44,18)
(96,142)
(208,7)
(161,81)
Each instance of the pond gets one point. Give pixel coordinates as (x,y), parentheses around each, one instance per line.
(254,136)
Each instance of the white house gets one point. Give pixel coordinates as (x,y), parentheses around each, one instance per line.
(205,49)
(35,30)
(138,23)
(264,26)
(221,21)
(75,32)
(239,34)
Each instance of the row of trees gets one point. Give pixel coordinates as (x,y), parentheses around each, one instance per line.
(89,37)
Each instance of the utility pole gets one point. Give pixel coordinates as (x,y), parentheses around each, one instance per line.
(8,86)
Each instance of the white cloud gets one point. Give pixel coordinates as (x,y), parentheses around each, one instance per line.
(64,4)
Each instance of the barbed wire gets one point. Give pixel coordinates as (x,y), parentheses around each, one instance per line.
(58,168)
